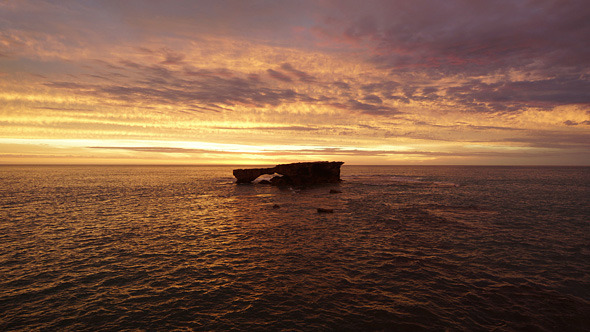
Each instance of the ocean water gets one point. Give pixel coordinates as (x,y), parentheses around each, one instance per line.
(92,248)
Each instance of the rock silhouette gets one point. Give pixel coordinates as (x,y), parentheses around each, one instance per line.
(296,174)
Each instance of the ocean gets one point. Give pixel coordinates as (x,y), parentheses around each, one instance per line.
(408,248)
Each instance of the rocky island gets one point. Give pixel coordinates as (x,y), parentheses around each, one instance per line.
(296,174)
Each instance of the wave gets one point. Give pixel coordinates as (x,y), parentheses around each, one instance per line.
(395,180)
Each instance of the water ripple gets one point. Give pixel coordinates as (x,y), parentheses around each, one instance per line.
(407,249)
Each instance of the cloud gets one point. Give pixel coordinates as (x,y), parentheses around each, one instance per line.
(157,149)
(327,152)
(341,85)
(390,90)
(463,126)
(545,42)
(516,95)
(383,87)
(365,73)
(172,58)
(371,109)
(215,89)
(364,108)
(459,36)
(372,99)
(303,76)
(279,75)
(189,87)
(554,140)
(271,128)
(64,109)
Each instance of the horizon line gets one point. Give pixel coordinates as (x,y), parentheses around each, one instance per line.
(260,165)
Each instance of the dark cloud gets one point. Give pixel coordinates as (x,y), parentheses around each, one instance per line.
(218,93)
(279,75)
(490,127)
(574,123)
(64,109)
(199,109)
(214,90)
(460,36)
(554,140)
(373,99)
(390,90)
(371,109)
(546,38)
(367,126)
(429,90)
(342,85)
(130,64)
(266,128)
(384,88)
(172,58)
(463,125)
(254,77)
(570,123)
(101,77)
(303,76)
(193,88)
(513,96)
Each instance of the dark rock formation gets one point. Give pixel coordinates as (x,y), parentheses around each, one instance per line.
(279,181)
(250,174)
(297,174)
(322,210)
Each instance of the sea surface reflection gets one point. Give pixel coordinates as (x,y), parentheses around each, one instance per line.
(406,249)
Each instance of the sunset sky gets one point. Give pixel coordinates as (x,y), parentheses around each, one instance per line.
(266,82)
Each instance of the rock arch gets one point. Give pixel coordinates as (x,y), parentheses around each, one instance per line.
(297,174)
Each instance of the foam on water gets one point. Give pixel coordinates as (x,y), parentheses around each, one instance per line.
(406,249)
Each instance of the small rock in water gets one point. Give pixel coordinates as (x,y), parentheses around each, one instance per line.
(322,210)
(334,191)
(276,206)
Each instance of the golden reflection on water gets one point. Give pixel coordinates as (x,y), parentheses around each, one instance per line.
(185,247)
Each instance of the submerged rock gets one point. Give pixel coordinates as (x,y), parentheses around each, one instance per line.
(322,210)
(297,174)
(334,191)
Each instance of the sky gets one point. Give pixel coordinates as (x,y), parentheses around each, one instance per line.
(397,82)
